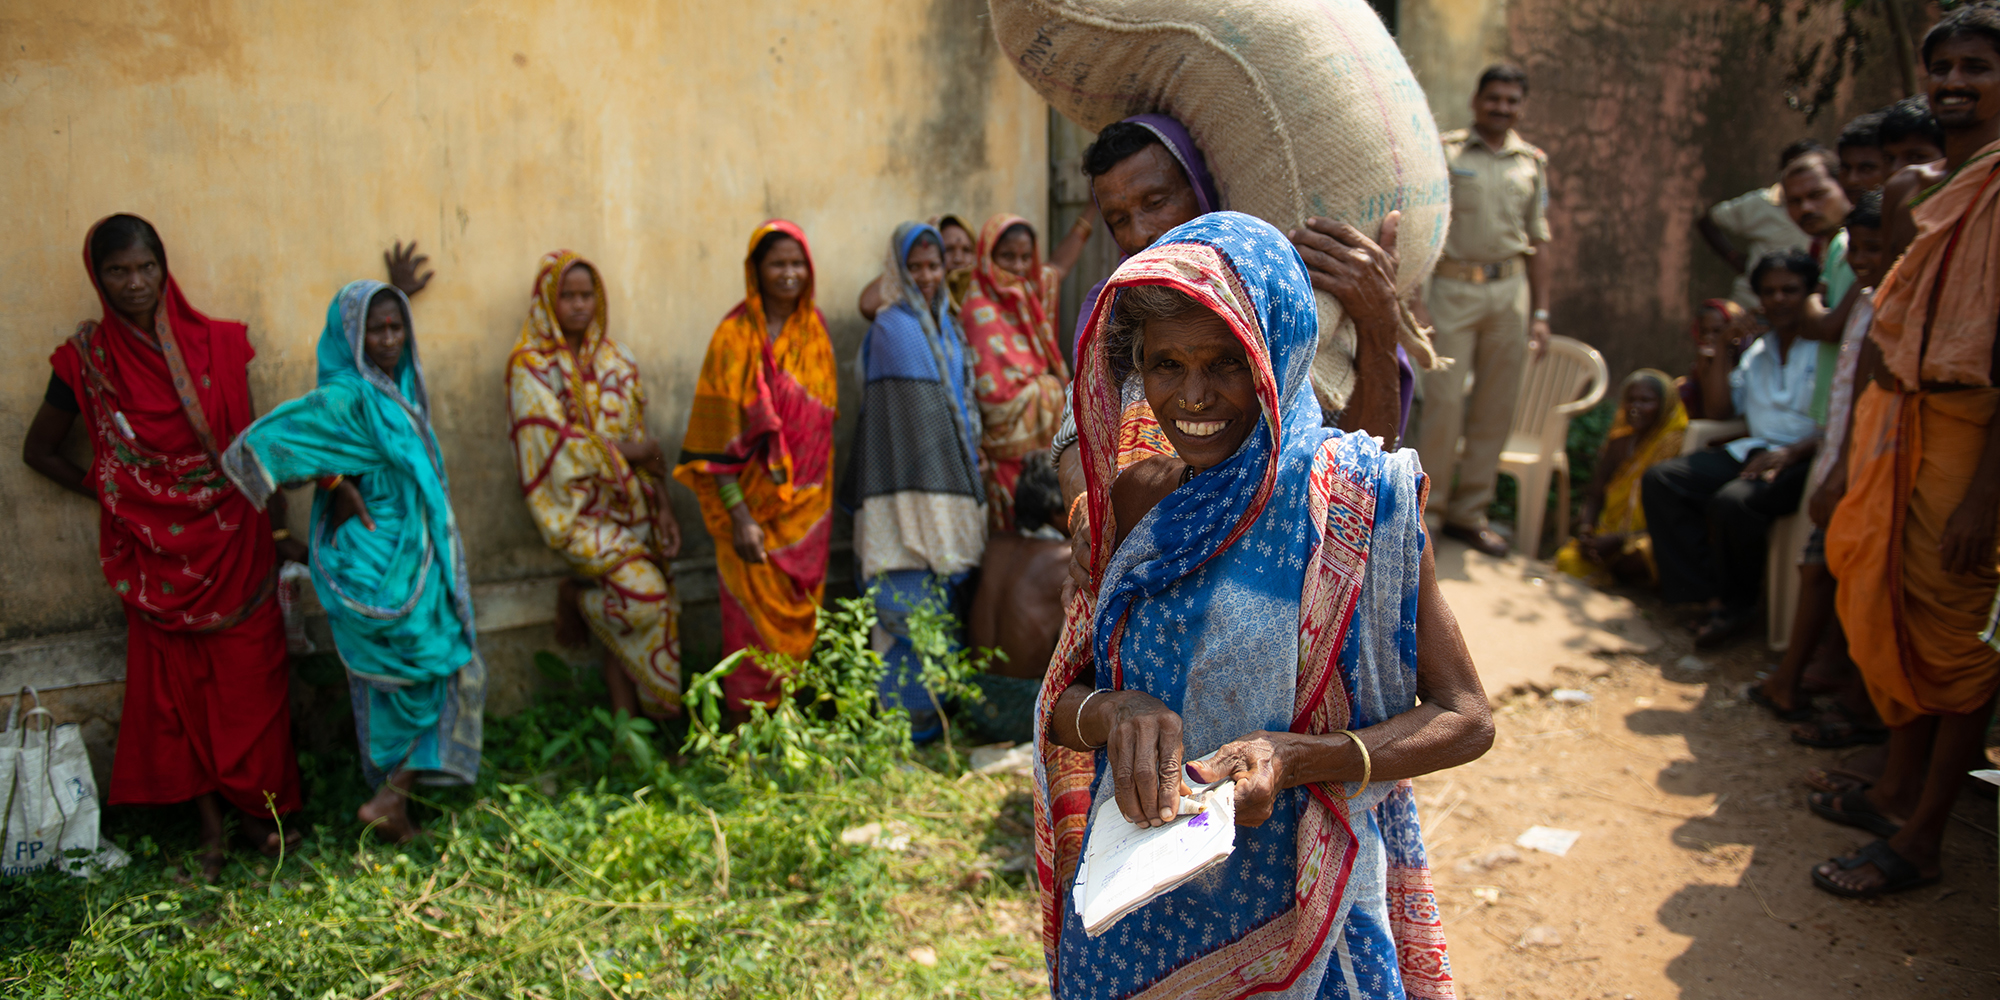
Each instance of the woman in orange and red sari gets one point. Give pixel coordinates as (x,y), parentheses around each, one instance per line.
(1010,321)
(596,484)
(161,388)
(759,443)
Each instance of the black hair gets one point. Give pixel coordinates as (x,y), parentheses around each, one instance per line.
(763,248)
(1864,132)
(1018,227)
(123,232)
(1115,145)
(1911,117)
(1796,150)
(1503,73)
(1982,19)
(1827,160)
(1790,259)
(929,236)
(948,221)
(1037,493)
(1867,212)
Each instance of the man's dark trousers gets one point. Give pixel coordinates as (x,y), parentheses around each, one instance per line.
(1711,528)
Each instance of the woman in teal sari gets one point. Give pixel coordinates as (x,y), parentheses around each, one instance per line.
(392,576)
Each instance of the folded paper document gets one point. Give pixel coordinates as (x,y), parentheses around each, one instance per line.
(1126,865)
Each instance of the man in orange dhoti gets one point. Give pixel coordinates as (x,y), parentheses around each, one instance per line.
(1924,477)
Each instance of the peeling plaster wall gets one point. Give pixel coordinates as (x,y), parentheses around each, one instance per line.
(1649,112)
(280,148)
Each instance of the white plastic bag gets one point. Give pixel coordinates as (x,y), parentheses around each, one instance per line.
(52,804)
(291,578)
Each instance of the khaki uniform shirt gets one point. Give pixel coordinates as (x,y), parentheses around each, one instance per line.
(1499,198)
(1758,223)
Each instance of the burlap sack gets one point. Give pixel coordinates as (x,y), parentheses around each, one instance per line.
(1302,107)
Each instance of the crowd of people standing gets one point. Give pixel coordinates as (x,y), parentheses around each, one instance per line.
(1850,377)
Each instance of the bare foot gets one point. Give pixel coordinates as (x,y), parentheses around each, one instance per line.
(388,814)
(263,835)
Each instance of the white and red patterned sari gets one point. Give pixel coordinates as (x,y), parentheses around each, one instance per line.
(1276,590)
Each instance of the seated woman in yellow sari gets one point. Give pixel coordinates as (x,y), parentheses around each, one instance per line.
(1611,542)
(759,444)
(596,484)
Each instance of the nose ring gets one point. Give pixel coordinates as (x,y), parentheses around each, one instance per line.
(1193,409)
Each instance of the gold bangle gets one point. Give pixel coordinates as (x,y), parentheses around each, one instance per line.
(281,535)
(1367,765)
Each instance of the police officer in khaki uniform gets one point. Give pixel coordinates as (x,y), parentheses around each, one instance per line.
(1480,303)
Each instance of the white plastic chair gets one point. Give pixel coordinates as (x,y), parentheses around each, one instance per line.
(1789,535)
(1569,378)
(1702,433)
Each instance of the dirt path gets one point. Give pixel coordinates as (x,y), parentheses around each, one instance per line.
(1690,878)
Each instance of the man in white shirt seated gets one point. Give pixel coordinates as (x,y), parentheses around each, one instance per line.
(1710,512)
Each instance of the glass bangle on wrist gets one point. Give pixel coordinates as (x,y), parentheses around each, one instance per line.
(732,495)
(281,535)
(1541,315)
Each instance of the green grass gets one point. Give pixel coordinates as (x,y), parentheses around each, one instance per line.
(588,863)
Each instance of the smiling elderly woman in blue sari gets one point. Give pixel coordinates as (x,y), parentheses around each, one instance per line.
(386,559)
(1265,606)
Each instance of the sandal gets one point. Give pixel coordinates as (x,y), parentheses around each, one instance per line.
(1898,874)
(1836,729)
(1834,781)
(1753,693)
(1852,809)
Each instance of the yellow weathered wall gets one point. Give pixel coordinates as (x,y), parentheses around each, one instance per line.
(1448,43)
(280,147)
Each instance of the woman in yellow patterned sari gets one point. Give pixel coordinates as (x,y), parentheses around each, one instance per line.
(1611,540)
(596,484)
(759,443)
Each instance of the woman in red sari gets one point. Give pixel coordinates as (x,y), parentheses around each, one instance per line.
(162,388)
(1010,317)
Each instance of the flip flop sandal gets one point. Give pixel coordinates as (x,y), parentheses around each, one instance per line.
(1837,729)
(1753,693)
(1852,809)
(1898,873)
(1834,781)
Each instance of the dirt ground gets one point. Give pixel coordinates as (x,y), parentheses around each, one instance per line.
(1691,875)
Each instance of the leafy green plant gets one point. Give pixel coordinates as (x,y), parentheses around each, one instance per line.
(579,871)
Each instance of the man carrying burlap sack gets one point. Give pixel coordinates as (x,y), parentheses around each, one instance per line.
(1479,302)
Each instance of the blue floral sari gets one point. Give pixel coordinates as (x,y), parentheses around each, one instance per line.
(1278,591)
(397,598)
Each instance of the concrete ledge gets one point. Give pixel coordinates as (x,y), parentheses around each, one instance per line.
(75,659)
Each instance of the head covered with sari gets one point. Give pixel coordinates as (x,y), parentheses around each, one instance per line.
(938,320)
(570,409)
(159,409)
(1020,371)
(763,412)
(913,475)
(1025,305)
(1275,590)
(399,597)
(1622,512)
